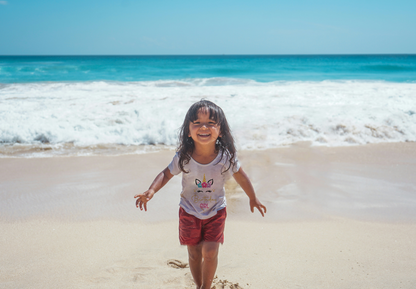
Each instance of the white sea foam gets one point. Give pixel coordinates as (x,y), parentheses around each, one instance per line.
(261,115)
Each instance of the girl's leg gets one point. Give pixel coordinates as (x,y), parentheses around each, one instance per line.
(195,263)
(209,264)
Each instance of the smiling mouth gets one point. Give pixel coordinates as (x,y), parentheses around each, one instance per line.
(204,135)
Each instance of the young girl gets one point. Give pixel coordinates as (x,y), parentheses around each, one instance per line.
(206,157)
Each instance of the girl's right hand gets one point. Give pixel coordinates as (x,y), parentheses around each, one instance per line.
(143,199)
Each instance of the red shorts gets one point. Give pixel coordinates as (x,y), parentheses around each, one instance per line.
(193,230)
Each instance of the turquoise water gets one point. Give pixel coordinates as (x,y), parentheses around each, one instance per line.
(260,68)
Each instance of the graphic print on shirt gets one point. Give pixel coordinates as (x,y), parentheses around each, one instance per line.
(200,193)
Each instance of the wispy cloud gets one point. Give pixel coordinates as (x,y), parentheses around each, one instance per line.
(3,2)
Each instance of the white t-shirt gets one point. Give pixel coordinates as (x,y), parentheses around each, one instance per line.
(203,192)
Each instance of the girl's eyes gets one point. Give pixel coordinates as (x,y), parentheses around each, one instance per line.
(210,123)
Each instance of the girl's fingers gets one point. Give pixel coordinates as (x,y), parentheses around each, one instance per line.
(261,212)
(261,208)
(142,202)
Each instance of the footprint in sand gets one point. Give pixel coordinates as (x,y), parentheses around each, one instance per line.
(217,284)
(177,264)
(225,284)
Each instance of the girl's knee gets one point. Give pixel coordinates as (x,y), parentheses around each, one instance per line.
(195,253)
(210,251)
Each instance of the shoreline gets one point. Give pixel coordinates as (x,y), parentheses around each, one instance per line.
(40,151)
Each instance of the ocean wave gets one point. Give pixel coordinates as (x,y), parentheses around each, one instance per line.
(149,113)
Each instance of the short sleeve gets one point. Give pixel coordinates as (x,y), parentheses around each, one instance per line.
(233,169)
(237,166)
(174,165)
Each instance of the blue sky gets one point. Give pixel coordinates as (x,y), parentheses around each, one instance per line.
(206,27)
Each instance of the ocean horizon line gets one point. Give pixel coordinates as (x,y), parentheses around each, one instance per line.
(175,55)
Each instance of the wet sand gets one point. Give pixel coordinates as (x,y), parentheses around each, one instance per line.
(337,218)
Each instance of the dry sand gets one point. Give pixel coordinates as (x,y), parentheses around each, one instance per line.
(337,218)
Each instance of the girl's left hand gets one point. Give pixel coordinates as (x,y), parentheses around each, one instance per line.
(255,203)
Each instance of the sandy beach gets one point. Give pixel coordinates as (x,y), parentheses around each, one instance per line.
(341,217)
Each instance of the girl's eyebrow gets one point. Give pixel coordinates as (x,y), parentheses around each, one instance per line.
(211,120)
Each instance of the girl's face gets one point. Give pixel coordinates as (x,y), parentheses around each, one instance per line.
(204,131)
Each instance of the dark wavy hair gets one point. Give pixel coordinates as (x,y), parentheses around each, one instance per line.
(224,144)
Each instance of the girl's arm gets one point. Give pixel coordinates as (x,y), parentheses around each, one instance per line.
(160,180)
(244,182)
